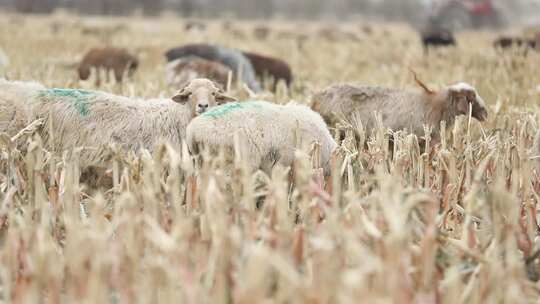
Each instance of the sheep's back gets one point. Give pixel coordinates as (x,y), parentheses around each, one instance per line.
(395,108)
(266,130)
(348,100)
(398,109)
(219,125)
(95,119)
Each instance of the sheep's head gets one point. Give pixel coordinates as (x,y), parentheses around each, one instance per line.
(325,102)
(84,72)
(201,94)
(316,100)
(462,95)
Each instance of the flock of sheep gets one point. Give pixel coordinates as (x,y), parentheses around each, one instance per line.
(203,116)
(443,37)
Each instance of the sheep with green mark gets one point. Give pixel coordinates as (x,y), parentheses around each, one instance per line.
(92,120)
(79,98)
(268,134)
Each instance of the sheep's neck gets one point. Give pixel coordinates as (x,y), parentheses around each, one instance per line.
(441,109)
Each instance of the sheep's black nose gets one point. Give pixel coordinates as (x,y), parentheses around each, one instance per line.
(201,108)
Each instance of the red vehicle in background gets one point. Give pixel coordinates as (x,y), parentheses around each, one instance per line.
(465,14)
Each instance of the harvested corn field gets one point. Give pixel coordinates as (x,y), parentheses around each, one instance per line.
(399,219)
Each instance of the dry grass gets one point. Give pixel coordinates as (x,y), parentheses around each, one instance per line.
(456,225)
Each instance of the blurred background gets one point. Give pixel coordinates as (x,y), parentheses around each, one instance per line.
(412,11)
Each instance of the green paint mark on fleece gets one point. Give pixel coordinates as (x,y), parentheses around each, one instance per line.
(79,98)
(231,107)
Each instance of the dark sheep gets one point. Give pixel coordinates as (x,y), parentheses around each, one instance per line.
(437,37)
(506,42)
(109,59)
(268,66)
(234,59)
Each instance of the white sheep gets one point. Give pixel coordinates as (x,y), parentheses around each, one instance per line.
(399,109)
(268,134)
(92,119)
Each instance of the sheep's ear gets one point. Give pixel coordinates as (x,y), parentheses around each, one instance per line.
(182,96)
(222,98)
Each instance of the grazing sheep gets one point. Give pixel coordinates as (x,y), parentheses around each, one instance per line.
(268,66)
(181,71)
(93,119)
(437,37)
(506,42)
(232,58)
(109,59)
(268,134)
(399,109)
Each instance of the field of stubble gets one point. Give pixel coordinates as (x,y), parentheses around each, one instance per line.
(456,225)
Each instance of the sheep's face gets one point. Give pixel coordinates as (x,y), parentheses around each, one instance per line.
(464,95)
(201,95)
(320,102)
(316,100)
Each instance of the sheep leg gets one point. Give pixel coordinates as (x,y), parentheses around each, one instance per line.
(118,74)
(97,73)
